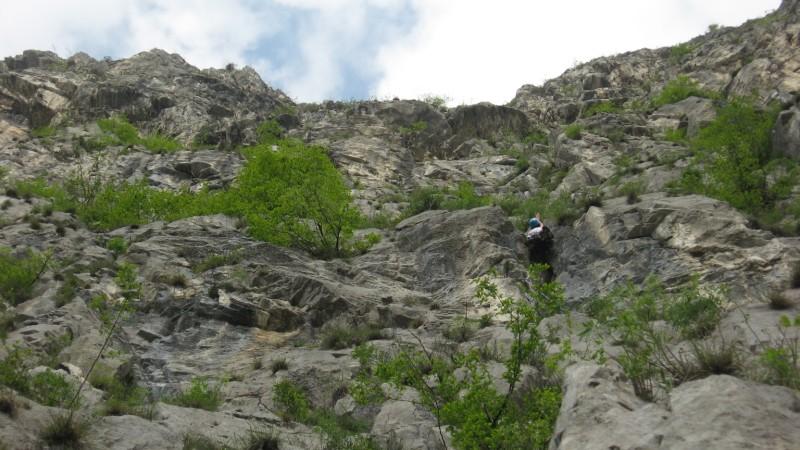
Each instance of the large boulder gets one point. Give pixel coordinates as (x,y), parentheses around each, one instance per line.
(689,114)
(673,238)
(600,411)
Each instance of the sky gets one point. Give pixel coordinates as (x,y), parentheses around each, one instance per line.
(465,51)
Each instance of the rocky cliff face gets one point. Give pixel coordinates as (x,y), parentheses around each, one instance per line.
(256,315)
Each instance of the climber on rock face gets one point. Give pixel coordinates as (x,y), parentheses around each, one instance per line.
(535,226)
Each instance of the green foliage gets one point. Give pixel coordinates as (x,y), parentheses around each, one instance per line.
(119,127)
(781,359)
(560,210)
(693,312)
(363,245)
(65,431)
(67,291)
(464,197)
(118,245)
(340,336)
(632,190)
(43,132)
(424,199)
(13,372)
(677,135)
(201,395)
(680,88)
(159,143)
(269,132)
(127,399)
(118,131)
(678,52)
(19,274)
(628,314)
(430,197)
(291,401)
(437,101)
(734,152)
(51,389)
(214,261)
(573,131)
(339,432)
(414,129)
(601,107)
(47,387)
(536,137)
(479,416)
(296,197)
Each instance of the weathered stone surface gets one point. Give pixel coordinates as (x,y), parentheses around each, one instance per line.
(690,115)
(600,411)
(786,136)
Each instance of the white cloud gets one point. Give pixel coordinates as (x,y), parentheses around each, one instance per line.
(474,50)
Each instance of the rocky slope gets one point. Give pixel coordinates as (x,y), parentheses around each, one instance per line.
(257,316)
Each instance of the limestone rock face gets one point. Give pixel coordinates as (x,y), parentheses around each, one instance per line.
(246,315)
(156,90)
(672,237)
(600,411)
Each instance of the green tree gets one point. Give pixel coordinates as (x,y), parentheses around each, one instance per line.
(296,197)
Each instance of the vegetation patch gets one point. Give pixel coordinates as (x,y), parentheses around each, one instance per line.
(339,432)
(680,88)
(606,107)
(118,131)
(573,131)
(342,336)
(200,394)
(19,273)
(457,387)
(734,162)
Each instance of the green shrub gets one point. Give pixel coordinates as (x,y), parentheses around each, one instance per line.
(43,132)
(678,89)
(536,137)
(19,274)
(693,312)
(127,399)
(200,395)
(67,291)
(424,199)
(117,245)
(461,330)
(293,196)
(573,131)
(464,197)
(362,246)
(269,132)
(677,135)
(555,211)
(734,151)
(51,389)
(214,261)
(121,132)
(601,107)
(678,52)
(291,401)
(65,430)
(632,190)
(159,143)
(340,336)
(414,129)
(296,197)
(13,371)
(119,127)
